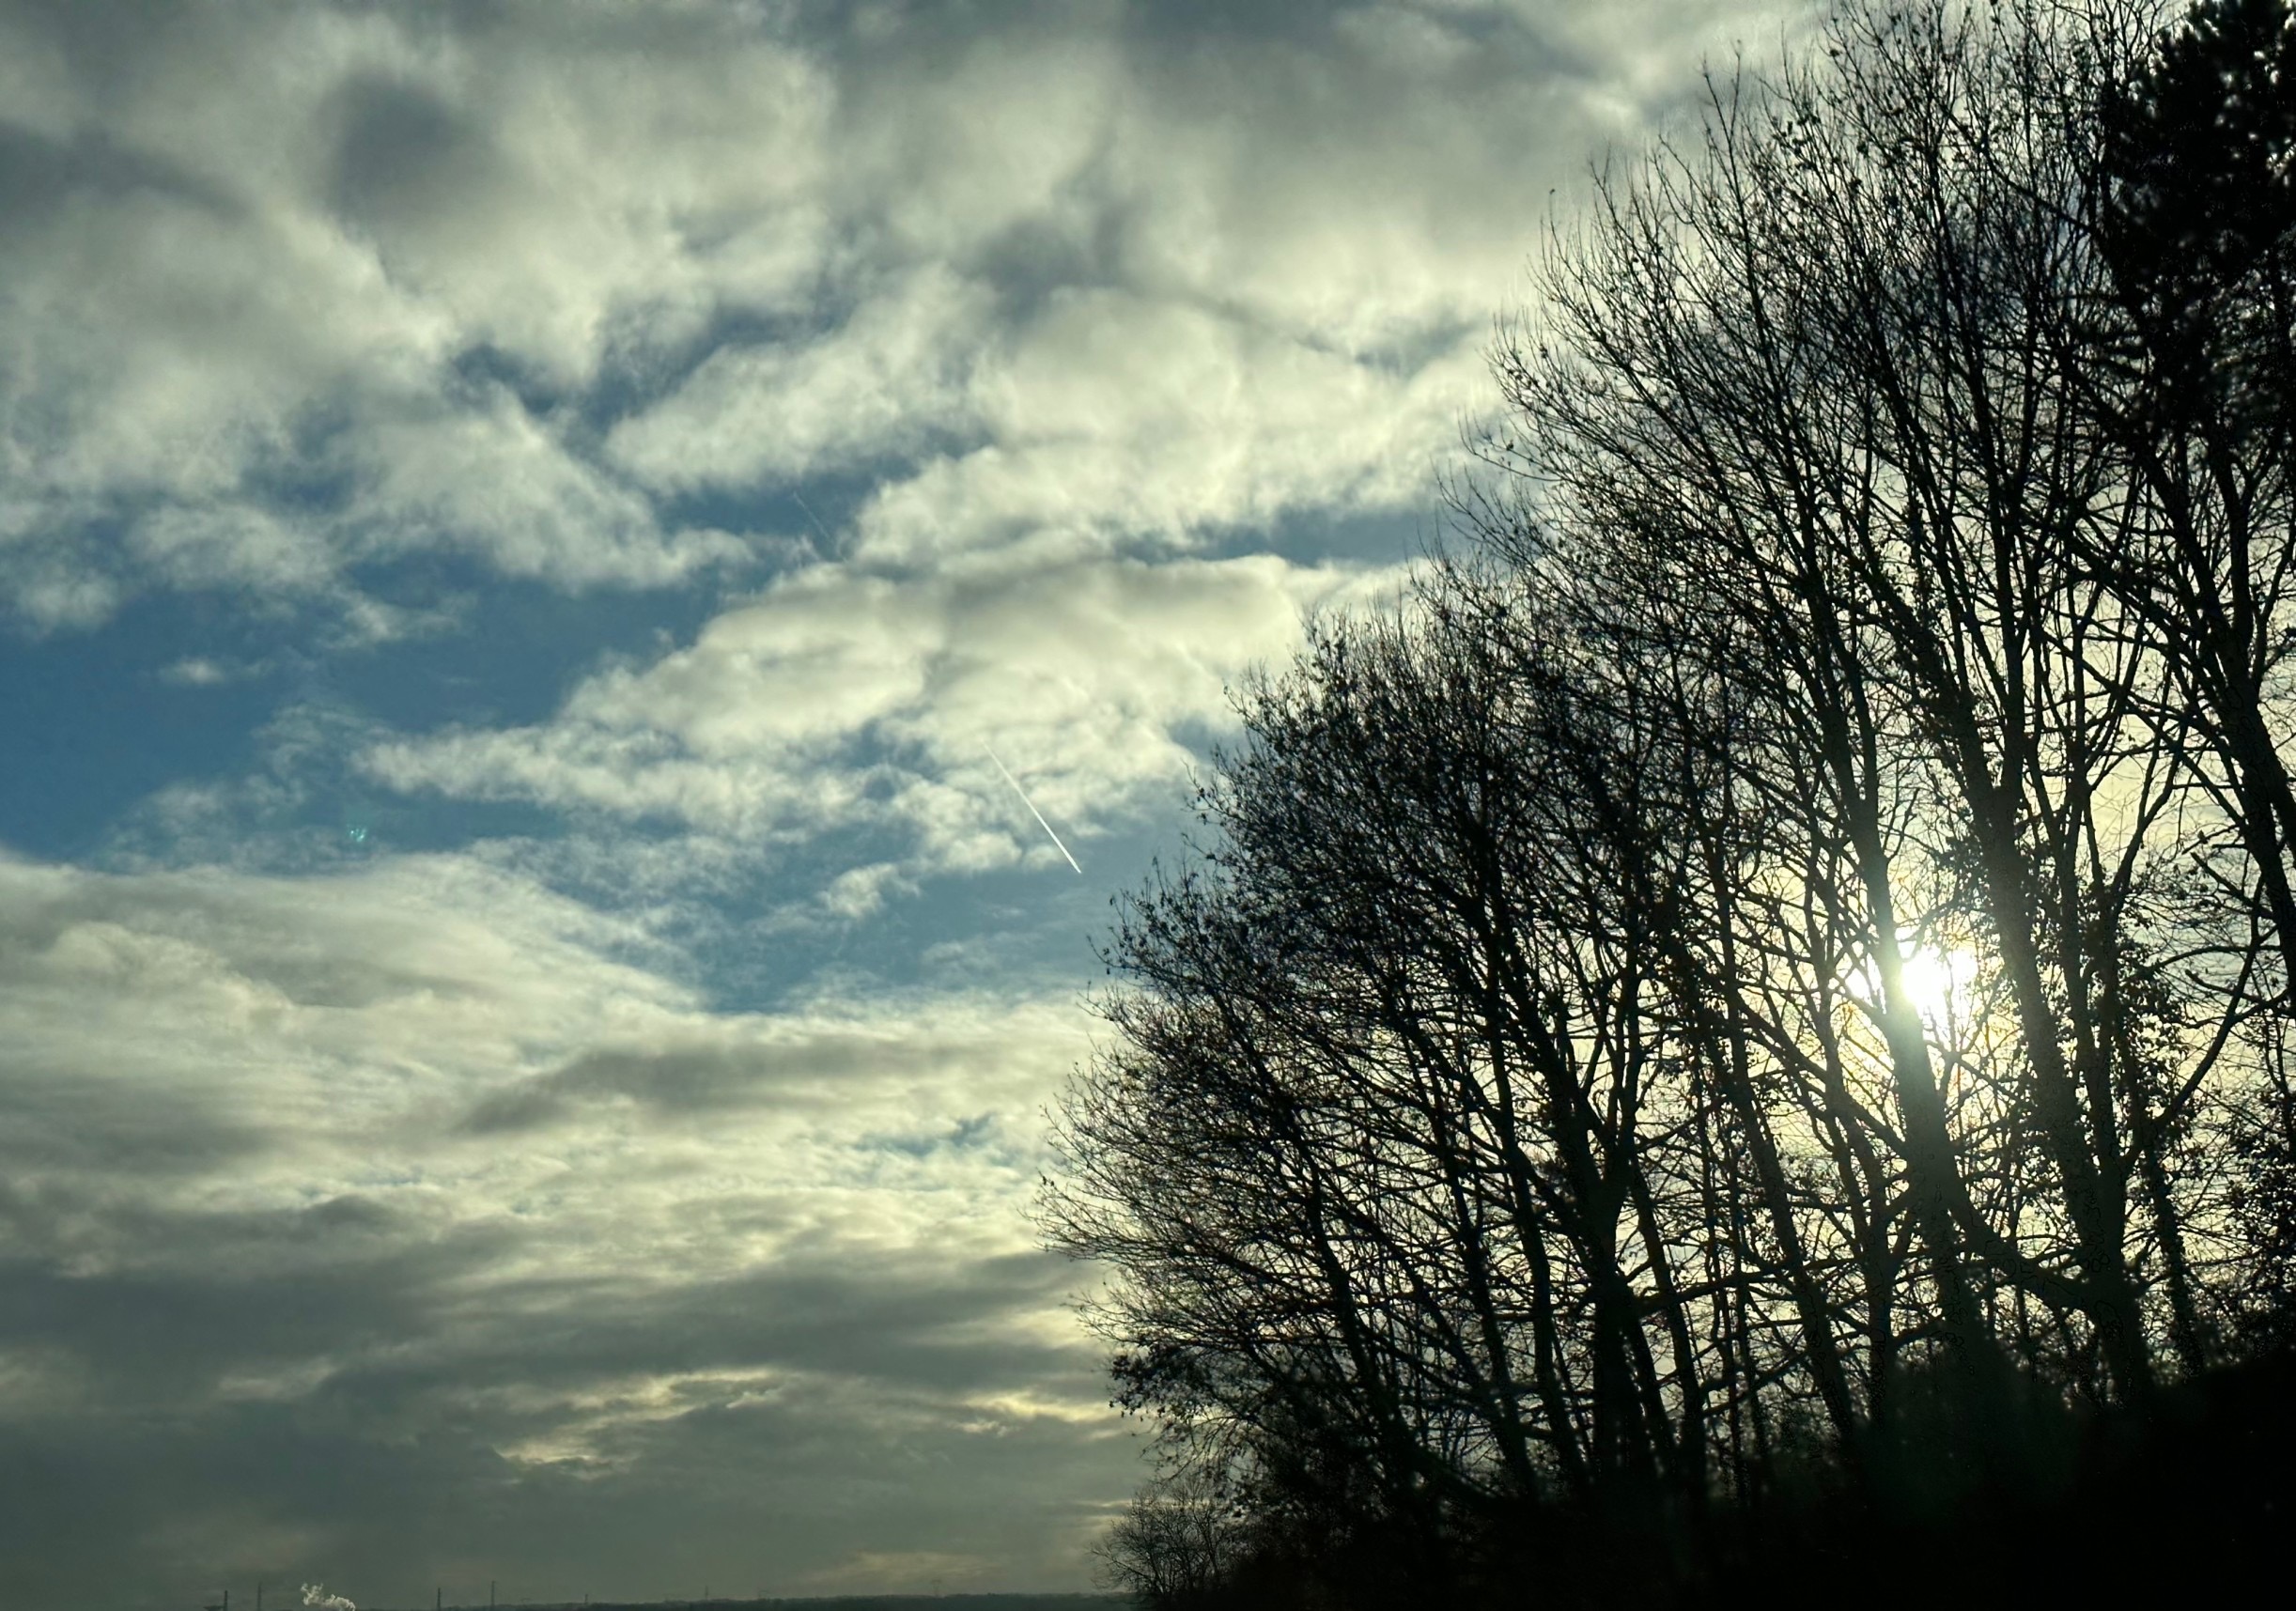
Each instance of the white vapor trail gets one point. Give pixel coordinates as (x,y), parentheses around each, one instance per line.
(815,520)
(1034,812)
(315,1596)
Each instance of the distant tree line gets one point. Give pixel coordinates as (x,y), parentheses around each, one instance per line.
(1763,992)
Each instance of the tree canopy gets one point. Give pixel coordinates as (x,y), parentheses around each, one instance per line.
(1764,986)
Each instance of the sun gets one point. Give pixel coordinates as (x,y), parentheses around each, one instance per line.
(1936,980)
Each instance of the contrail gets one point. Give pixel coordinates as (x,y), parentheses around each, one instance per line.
(814,519)
(1034,812)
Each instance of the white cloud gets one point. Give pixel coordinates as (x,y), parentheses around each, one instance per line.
(840,698)
(1119,419)
(196,670)
(233,322)
(423,1157)
(1080,269)
(418,1158)
(443,1052)
(891,373)
(488,477)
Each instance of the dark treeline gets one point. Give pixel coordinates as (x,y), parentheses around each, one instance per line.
(962,1601)
(1744,1031)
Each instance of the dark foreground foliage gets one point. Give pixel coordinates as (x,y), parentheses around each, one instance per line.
(2189,1501)
(853,1602)
(1738,1045)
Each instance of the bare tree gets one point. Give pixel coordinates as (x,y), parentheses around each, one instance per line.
(1775,972)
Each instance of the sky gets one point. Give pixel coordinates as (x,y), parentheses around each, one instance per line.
(530,536)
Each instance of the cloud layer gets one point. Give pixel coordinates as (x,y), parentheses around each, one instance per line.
(661,453)
(406,1158)
(842,700)
(504,284)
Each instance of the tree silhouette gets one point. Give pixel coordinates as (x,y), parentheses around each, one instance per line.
(1753,1010)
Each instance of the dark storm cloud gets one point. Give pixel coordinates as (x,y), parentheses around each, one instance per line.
(41,173)
(404,156)
(674,1084)
(161,1133)
(563,1417)
(218,1306)
(241,1215)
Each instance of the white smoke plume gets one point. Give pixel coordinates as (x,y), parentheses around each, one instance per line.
(315,1596)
